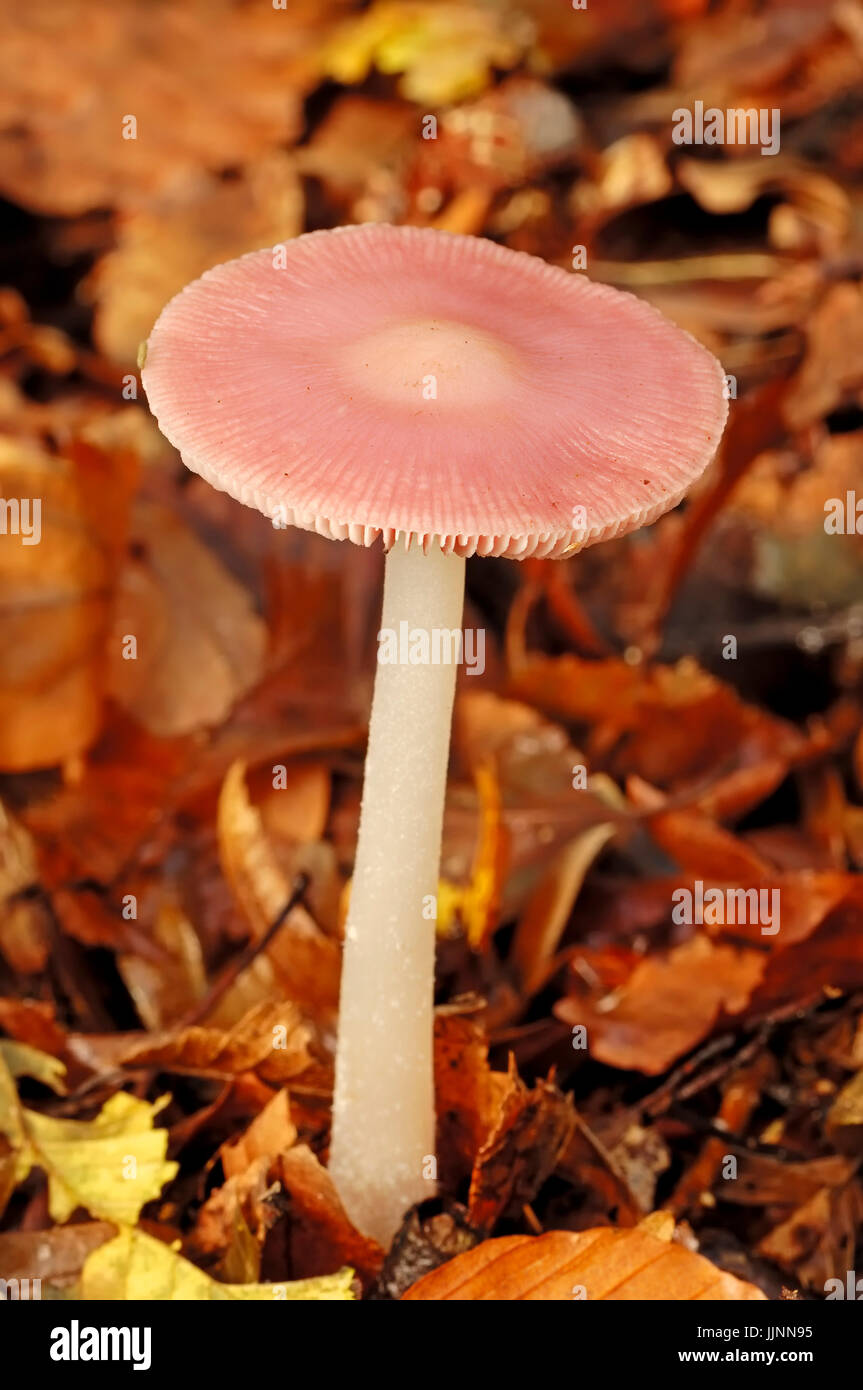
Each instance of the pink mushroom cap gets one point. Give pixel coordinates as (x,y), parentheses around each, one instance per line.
(376,380)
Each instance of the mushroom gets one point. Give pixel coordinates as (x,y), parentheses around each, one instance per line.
(453,398)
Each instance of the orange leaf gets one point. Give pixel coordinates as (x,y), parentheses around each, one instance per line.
(565,1265)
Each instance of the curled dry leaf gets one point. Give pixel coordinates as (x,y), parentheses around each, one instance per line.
(531,1131)
(271,1040)
(506,1135)
(562,1265)
(247,1163)
(468,1095)
(548,909)
(306,962)
(165,990)
(423,1243)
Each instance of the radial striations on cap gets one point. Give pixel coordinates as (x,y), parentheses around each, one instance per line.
(377,380)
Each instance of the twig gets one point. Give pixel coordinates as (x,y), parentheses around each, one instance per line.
(248,954)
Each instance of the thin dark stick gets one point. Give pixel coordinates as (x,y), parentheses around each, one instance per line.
(242,962)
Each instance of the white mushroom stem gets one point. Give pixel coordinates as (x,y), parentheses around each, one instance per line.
(382,1151)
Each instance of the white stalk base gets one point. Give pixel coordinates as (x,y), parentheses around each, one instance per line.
(382,1150)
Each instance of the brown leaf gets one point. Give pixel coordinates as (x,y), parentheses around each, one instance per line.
(298,808)
(467,1095)
(198,642)
(544,919)
(322,1237)
(66,87)
(832,370)
(198,225)
(672,723)
(55,1255)
(306,962)
(91,827)
(167,988)
(706,850)
(33,1022)
(247,1163)
(531,1130)
(55,609)
(817,1241)
(421,1244)
(271,1040)
(763,1180)
(668,1004)
(599,1264)
(24,923)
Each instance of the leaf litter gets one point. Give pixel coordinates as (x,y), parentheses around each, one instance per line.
(597,1059)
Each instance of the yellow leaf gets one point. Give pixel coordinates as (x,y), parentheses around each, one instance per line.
(444,51)
(476,903)
(135,1266)
(847,1108)
(110,1165)
(23,1060)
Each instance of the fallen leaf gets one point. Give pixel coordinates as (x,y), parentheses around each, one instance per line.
(247,1163)
(321,1232)
(23,1060)
(531,1131)
(306,962)
(164,991)
(55,610)
(832,370)
(544,919)
(270,1039)
(186,641)
(817,1241)
(600,1264)
(111,1165)
(444,51)
(33,1022)
(467,1095)
(847,1108)
(135,1266)
(55,1256)
(423,1243)
(66,142)
(667,1005)
(172,241)
(24,923)
(476,904)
